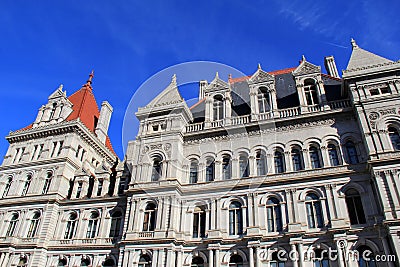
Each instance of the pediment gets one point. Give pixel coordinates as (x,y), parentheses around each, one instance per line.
(217,85)
(261,76)
(306,67)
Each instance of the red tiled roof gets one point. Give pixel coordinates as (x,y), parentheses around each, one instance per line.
(197,103)
(275,72)
(85,108)
(284,71)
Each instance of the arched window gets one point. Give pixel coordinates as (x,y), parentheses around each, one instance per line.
(315,158)
(355,207)
(297,159)
(276,261)
(210,170)
(226,167)
(144,261)
(22,262)
(34,224)
(85,262)
(116,219)
(236,261)
(235,219)
(333,155)
(279,162)
(7,186)
(92,225)
(314,211)
(310,92)
(274,215)
(394,137)
(218,107)
(71,225)
(12,224)
(157,169)
(320,258)
(263,100)
(62,263)
(351,152)
(47,182)
(366,257)
(261,163)
(149,220)
(26,185)
(197,262)
(194,171)
(109,263)
(199,222)
(243,166)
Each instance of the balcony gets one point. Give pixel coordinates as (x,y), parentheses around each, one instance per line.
(267,116)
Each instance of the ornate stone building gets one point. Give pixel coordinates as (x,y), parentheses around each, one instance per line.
(263,168)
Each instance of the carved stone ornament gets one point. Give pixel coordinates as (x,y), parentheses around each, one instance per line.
(384,112)
(373,116)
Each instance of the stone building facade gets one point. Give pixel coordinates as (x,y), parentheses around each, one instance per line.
(272,166)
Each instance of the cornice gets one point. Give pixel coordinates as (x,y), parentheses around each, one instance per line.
(75,126)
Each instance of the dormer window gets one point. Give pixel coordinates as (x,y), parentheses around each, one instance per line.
(310,92)
(218,107)
(263,100)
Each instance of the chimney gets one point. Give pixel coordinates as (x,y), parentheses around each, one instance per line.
(330,66)
(104,121)
(202,86)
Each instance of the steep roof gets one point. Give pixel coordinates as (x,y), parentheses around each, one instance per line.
(85,109)
(362,58)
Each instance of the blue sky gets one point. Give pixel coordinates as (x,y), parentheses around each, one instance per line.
(46,43)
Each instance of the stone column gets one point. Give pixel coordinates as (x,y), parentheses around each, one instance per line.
(288,161)
(235,168)
(250,210)
(210,258)
(179,259)
(384,195)
(218,170)
(293,248)
(253,104)
(306,158)
(154,261)
(251,257)
(252,166)
(325,158)
(217,258)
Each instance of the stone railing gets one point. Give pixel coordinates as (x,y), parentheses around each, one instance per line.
(240,120)
(289,112)
(195,127)
(85,241)
(280,113)
(265,116)
(146,234)
(339,104)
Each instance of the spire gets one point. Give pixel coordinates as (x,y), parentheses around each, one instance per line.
(353,43)
(259,66)
(303,58)
(91,75)
(60,87)
(173,80)
(216,75)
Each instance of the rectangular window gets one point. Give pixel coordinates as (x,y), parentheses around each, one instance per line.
(79,190)
(60,148)
(99,188)
(53,150)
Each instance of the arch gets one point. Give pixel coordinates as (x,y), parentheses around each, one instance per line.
(194,254)
(261,162)
(297,158)
(311,94)
(244,168)
(355,186)
(193,171)
(156,167)
(314,151)
(227,202)
(62,262)
(34,223)
(306,191)
(263,200)
(239,252)
(218,107)
(226,167)
(210,168)
(366,242)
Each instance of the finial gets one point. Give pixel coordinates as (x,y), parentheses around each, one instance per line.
(230,76)
(216,75)
(60,87)
(303,58)
(89,81)
(259,66)
(353,43)
(173,80)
